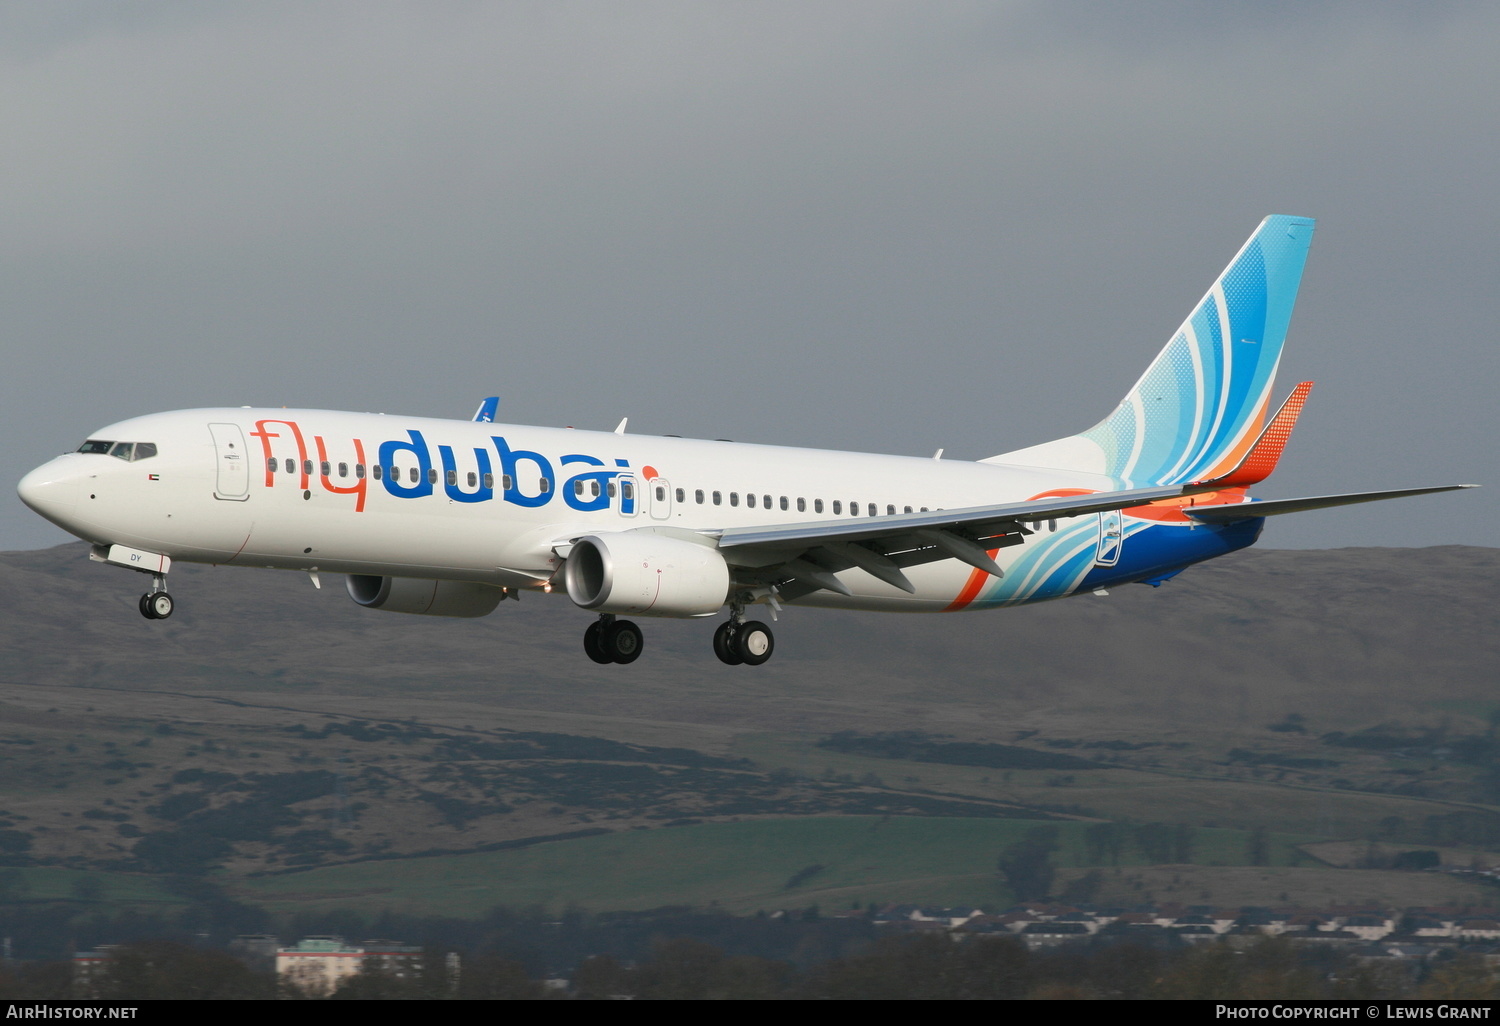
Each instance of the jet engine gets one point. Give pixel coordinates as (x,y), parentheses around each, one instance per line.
(428,598)
(646,573)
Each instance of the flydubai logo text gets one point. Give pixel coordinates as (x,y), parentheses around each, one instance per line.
(407,470)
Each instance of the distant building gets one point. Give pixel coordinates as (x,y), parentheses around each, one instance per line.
(87,971)
(320,965)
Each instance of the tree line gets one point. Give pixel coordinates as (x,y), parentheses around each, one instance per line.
(900,967)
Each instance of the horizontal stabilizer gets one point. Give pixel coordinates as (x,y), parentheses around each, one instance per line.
(1275,507)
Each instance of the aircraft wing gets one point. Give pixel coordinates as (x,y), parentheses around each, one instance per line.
(801,558)
(1275,507)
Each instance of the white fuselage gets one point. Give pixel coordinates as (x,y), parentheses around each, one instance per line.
(467,501)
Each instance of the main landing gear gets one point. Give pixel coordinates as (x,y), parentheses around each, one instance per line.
(737,641)
(743,641)
(156,604)
(613,641)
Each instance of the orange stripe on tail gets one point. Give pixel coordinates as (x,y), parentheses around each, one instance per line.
(1266,453)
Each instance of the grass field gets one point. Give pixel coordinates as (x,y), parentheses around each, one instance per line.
(53,883)
(741,867)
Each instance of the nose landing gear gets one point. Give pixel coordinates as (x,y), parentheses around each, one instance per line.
(608,640)
(156,604)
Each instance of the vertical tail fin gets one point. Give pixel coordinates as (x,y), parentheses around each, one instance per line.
(1202,403)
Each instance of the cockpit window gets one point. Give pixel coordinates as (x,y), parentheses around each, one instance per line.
(130,452)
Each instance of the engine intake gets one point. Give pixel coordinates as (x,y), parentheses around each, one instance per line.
(423,597)
(646,574)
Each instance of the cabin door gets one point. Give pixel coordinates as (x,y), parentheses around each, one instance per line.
(1111,537)
(233,479)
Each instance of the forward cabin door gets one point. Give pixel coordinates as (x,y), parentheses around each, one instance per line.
(232,481)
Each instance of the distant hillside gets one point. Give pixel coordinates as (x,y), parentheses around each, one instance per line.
(1346,638)
(1341,696)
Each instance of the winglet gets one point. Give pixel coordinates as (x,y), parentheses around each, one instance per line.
(487,410)
(1263,456)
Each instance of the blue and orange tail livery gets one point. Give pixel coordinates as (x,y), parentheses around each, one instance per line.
(1201,405)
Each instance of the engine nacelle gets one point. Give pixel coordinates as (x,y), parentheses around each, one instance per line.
(647,574)
(423,597)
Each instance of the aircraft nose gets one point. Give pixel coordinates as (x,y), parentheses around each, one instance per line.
(51,489)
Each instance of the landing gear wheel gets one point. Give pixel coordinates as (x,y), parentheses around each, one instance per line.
(724,644)
(593,643)
(623,641)
(156,605)
(753,642)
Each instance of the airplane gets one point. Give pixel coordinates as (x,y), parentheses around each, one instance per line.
(450,517)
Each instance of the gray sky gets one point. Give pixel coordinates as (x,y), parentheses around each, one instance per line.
(879,226)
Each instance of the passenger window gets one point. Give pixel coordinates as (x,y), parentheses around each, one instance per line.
(874,510)
(734,498)
(307,467)
(432,476)
(359,470)
(717,499)
(473,479)
(627,490)
(906,509)
(343,470)
(890,511)
(377,471)
(414,473)
(122,450)
(801,504)
(324,468)
(924,509)
(817,505)
(766,499)
(698,496)
(611,489)
(545,485)
(489,481)
(452,477)
(578,488)
(783,502)
(291,468)
(271,464)
(838,507)
(661,494)
(145,450)
(750,500)
(505,482)
(95,446)
(681,495)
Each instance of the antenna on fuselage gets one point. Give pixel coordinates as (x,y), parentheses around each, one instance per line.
(620,428)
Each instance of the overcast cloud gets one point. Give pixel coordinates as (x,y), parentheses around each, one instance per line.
(888,227)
